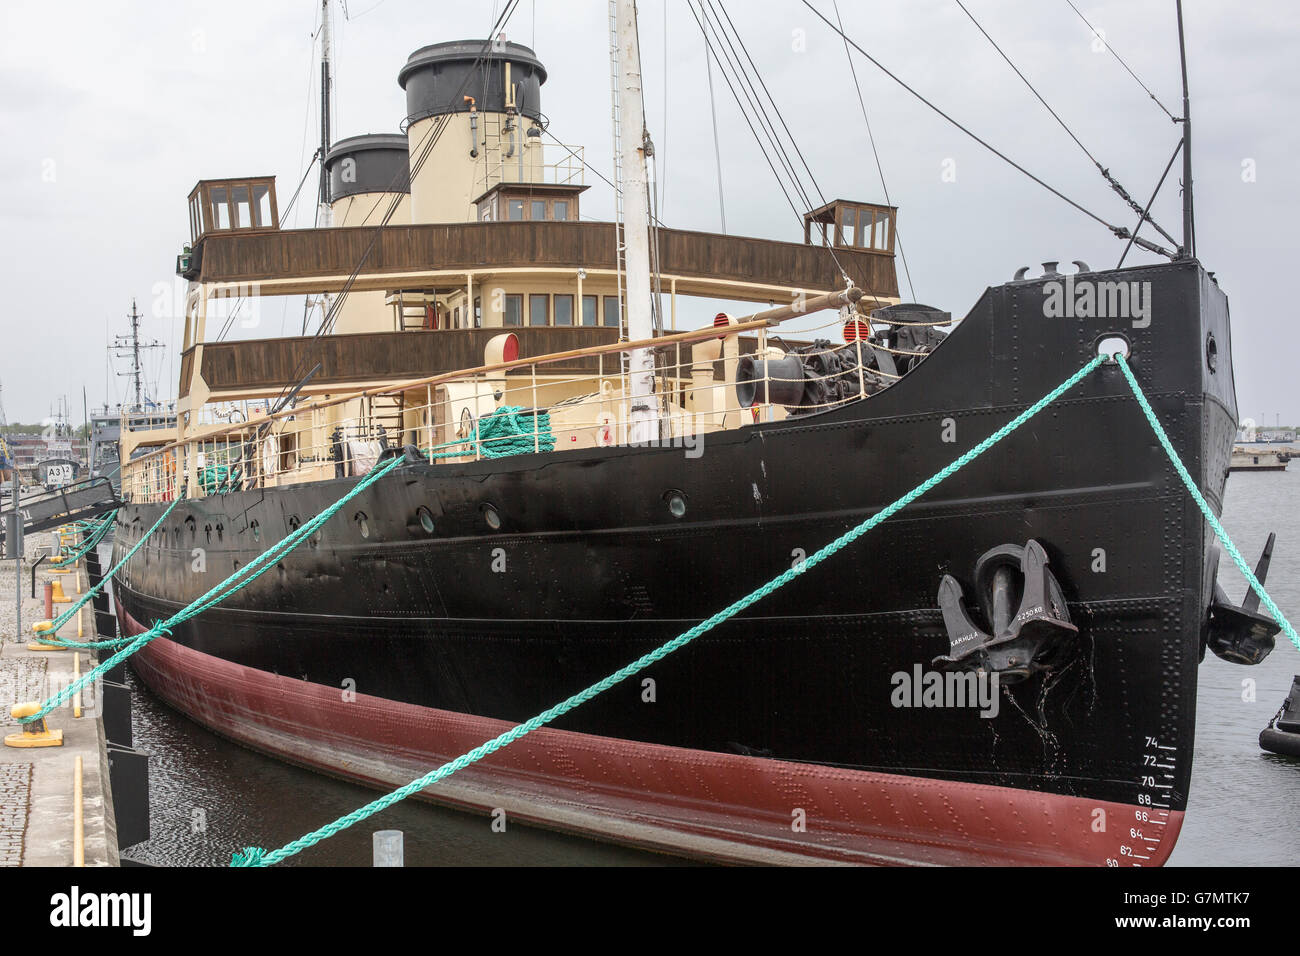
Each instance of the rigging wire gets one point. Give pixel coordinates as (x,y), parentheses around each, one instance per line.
(425,147)
(1121,232)
(1114,183)
(717,148)
(771,99)
(747,87)
(1145,217)
(898,236)
(1097,33)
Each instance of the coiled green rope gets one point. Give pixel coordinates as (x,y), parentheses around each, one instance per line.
(256,856)
(1195,492)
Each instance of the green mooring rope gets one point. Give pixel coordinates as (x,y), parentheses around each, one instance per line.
(1231,548)
(51,636)
(256,856)
(95,535)
(248,573)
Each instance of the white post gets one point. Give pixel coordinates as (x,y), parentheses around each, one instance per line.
(643,416)
(388,848)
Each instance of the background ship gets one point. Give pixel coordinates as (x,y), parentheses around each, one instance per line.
(466,591)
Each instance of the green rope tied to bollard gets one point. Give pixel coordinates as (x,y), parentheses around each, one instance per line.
(96,534)
(236,582)
(256,856)
(51,636)
(1228,546)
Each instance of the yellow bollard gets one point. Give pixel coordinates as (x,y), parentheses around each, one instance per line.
(34,734)
(44,627)
(59,596)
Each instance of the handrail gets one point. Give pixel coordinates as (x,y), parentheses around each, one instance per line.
(758,320)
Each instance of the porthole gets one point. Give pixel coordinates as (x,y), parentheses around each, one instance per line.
(363,523)
(426,519)
(492,517)
(293,523)
(1211,353)
(676,503)
(257,530)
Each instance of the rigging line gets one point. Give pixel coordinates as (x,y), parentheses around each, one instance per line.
(1100,37)
(1133,238)
(1025,80)
(772,138)
(776,109)
(717,149)
(755,101)
(603,178)
(848,55)
(779,181)
(432,135)
(1120,231)
(1114,183)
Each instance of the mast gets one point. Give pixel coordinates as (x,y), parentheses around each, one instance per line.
(325,213)
(1189,213)
(633,143)
(132,346)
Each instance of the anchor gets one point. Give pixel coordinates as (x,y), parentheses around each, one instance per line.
(1029,636)
(1242,635)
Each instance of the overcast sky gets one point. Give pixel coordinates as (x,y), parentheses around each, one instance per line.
(111,112)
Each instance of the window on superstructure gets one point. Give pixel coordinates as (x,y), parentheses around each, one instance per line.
(561,210)
(539,310)
(564,310)
(478,312)
(516,209)
(590,310)
(611,311)
(220,208)
(538,211)
(241,206)
(262,206)
(514,314)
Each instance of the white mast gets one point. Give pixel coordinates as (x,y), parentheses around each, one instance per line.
(643,417)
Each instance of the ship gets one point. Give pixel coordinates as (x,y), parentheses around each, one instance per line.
(580,481)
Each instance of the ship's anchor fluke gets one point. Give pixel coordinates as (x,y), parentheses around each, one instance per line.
(1023,602)
(1241,634)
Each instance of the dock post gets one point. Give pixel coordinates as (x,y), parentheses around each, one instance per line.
(388,848)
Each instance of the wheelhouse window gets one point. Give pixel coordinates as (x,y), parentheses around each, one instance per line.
(515,209)
(590,310)
(538,211)
(563,310)
(539,310)
(560,210)
(514,314)
(611,311)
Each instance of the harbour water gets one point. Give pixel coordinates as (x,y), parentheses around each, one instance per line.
(210,796)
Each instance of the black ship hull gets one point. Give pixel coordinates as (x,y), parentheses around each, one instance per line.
(589,569)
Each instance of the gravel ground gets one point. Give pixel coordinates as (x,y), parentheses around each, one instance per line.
(33,608)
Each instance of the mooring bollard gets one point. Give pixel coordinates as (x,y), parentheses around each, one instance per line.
(388,848)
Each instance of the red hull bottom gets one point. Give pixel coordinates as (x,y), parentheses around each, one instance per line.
(722,807)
